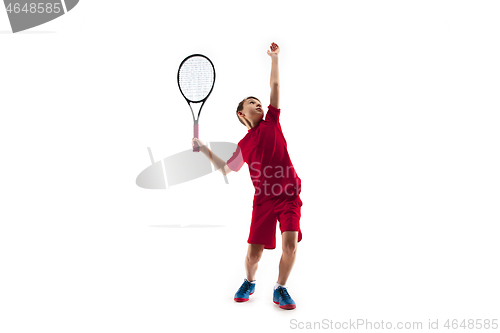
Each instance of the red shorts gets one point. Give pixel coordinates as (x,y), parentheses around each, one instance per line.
(284,208)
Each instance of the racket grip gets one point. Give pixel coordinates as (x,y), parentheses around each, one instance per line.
(196,148)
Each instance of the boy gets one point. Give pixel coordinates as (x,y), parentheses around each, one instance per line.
(277,187)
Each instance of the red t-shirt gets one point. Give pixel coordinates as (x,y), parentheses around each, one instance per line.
(265,151)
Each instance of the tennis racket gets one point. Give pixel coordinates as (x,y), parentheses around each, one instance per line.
(196,79)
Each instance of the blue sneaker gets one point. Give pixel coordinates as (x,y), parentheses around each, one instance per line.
(246,289)
(283,298)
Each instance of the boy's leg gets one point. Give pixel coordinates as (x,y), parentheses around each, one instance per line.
(289,245)
(252,259)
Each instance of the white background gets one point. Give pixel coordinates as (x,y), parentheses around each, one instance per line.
(391,114)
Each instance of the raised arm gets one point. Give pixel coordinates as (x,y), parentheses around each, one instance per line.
(275,78)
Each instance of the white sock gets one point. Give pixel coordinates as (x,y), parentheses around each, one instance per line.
(253,281)
(278,285)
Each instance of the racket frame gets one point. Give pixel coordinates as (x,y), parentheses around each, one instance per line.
(196,148)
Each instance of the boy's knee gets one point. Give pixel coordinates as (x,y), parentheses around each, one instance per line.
(254,253)
(254,257)
(290,248)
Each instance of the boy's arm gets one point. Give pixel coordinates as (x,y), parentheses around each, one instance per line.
(218,163)
(275,80)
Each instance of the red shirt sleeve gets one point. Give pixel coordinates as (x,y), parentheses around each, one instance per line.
(236,161)
(273,114)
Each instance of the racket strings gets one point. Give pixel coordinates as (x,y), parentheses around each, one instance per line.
(196,78)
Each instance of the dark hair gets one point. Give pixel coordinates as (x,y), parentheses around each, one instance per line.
(240,107)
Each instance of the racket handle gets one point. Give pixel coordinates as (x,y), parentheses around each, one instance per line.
(196,148)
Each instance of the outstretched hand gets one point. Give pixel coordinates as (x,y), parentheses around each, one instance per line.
(275,49)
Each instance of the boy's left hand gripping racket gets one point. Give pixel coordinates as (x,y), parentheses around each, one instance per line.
(196,79)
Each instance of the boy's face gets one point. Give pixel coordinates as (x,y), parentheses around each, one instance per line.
(252,109)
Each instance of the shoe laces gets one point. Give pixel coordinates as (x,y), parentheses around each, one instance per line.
(244,287)
(284,293)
